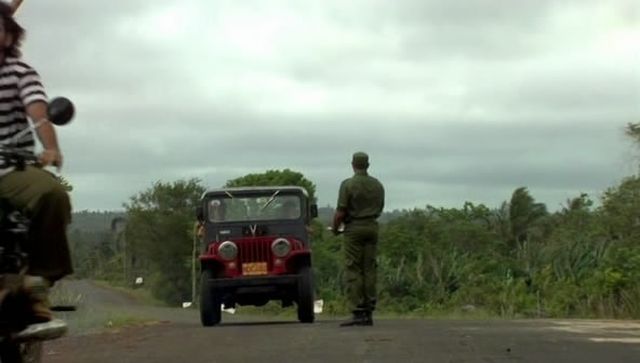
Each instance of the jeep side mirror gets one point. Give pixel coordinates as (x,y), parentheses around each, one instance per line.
(200,213)
(314,211)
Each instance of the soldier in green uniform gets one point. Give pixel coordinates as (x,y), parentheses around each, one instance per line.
(360,203)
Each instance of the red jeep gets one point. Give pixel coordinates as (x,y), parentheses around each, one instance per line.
(256,249)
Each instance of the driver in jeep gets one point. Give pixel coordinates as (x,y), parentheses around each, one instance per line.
(35,192)
(289,210)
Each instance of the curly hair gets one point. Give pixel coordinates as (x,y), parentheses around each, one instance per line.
(13,29)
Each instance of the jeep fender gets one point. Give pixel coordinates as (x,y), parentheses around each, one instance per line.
(212,264)
(298,259)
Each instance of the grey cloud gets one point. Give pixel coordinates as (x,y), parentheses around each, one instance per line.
(487,109)
(456,29)
(428,157)
(587,89)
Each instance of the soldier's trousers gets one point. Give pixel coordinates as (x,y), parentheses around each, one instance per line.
(39,195)
(360,275)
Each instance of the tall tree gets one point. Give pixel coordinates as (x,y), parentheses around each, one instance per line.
(524,212)
(633,131)
(620,207)
(159,235)
(275,178)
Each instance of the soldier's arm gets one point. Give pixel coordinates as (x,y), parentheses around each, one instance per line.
(338,219)
(341,209)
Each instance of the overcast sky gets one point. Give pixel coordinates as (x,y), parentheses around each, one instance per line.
(454,100)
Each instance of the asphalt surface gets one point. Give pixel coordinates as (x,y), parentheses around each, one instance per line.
(178,337)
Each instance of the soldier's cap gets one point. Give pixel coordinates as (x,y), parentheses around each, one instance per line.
(360,160)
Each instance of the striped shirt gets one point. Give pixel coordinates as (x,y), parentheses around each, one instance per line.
(20,86)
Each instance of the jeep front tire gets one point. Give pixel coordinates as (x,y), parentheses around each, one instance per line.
(305,295)
(210,304)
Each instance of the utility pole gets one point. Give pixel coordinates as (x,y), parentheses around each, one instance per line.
(194,251)
(118,227)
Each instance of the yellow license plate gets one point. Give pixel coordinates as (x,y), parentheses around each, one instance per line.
(254,268)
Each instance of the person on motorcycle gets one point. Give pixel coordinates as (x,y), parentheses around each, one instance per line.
(35,192)
(15,4)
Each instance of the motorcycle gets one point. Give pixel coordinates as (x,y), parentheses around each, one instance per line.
(19,341)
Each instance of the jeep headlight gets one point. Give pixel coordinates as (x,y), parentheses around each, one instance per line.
(228,250)
(281,247)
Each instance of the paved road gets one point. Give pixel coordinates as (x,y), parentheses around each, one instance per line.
(251,339)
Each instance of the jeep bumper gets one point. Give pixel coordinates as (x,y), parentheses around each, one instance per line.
(248,284)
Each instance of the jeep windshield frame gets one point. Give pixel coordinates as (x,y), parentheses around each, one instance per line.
(255,205)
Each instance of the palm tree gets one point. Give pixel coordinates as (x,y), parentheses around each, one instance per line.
(633,131)
(524,212)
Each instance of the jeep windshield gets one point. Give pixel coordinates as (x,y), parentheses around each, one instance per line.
(272,205)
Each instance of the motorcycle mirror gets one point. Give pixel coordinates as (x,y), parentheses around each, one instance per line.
(61,111)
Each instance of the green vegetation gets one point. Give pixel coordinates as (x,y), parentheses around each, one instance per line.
(513,260)
(274,178)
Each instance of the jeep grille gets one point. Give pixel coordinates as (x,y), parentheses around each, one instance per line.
(255,250)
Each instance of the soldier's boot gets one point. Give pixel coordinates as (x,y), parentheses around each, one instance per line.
(368,318)
(357,319)
(37,291)
(367,311)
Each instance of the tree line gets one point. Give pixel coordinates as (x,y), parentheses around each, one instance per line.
(514,259)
